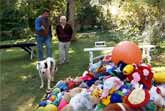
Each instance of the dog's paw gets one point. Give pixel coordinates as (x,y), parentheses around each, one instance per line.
(49,89)
(42,86)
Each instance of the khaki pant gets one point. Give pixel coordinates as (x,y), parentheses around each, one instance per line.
(63,52)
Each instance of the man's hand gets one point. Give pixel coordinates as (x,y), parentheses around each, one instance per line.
(43,27)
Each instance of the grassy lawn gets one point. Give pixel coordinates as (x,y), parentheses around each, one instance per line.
(19,79)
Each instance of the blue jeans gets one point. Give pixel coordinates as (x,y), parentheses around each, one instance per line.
(41,40)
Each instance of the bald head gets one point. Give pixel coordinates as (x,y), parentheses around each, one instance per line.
(63,20)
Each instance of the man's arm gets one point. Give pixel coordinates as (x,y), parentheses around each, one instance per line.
(71,30)
(38,26)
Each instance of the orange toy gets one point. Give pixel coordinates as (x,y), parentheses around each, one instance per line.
(127,52)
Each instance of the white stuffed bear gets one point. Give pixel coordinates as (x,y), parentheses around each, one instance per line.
(82,102)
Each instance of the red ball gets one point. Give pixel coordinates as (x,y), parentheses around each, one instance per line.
(127,52)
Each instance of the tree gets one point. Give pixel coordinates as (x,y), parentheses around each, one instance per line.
(71,15)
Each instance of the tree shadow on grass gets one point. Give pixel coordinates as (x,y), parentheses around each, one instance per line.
(19,82)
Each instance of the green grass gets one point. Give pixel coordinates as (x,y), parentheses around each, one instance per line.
(19,79)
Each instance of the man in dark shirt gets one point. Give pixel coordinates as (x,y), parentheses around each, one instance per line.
(64,33)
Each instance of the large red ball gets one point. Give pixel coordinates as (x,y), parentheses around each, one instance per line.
(127,52)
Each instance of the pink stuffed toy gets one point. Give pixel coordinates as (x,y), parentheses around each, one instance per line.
(62,104)
(136,78)
(111,83)
(143,75)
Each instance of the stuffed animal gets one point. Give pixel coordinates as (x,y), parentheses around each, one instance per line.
(159,77)
(62,104)
(82,102)
(62,85)
(119,107)
(128,69)
(93,67)
(70,82)
(95,91)
(158,95)
(107,58)
(68,107)
(71,93)
(105,101)
(138,97)
(111,83)
(67,97)
(143,75)
(87,76)
(99,107)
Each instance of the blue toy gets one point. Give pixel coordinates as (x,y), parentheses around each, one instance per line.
(43,103)
(116,98)
(62,85)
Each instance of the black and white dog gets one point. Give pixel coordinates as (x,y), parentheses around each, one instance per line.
(47,69)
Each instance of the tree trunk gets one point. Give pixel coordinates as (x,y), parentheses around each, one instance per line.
(71,17)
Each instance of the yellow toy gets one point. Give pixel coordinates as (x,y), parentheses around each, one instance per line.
(97,92)
(50,107)
(159,77)
(106,101)
(128,69)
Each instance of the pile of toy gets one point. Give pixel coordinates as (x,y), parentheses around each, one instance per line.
(117,82)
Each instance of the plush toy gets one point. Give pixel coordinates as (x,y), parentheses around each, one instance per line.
(97,92)
(90,82)
(107,58)
(105,101)
(52,98)
(55,91)
(136,79)
(101,69)
(62,104)
(93,67)
(138,97)
(77,81)
(125,89)
(68,107)
(111,83)
(83,85)
(99,107)
(150,106)
(87,76)
(82,102)
(43,103)
(110,68)
(75,91)
(143,75)
(62,85)
(159,77)
(128,69)
(41,109)
(116,98)
(58,98)
(50,107)
(158,95)
(119,107)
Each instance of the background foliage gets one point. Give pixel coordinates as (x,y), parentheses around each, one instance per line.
(137,20)
(17,16)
